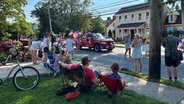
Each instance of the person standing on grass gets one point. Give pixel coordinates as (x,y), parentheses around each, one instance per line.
(46,43)
(137,53)
(171,43)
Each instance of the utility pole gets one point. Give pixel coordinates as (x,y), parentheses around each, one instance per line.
(155,41)
(50,23)
(182,13)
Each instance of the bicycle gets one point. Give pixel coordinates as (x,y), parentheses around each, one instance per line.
(25,78)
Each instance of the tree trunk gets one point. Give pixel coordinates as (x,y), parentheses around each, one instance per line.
(155,41)
(182,13)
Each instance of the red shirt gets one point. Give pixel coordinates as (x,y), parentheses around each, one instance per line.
(89,74)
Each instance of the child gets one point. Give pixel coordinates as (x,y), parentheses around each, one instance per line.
(115,69)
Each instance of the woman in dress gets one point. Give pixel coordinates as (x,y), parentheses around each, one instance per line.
(137,54)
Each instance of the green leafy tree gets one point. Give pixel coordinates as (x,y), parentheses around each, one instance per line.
(10,9)
(65,15)
(97,24)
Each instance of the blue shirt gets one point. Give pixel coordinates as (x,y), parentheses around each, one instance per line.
(113,76)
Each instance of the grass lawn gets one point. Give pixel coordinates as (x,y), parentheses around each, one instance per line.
(44,93)
(177,84)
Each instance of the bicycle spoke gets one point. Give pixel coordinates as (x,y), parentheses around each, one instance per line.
(26,79)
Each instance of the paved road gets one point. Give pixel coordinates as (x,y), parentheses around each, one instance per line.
(107,58)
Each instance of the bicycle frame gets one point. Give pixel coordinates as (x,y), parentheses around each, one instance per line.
(18,65)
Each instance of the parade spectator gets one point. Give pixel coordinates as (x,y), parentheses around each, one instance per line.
(115,69)
(127,44)
(89,75)
(147,41)
(46,43)
(78,42)
(137,54)
(53,38)
(36,44)
(171,43)
(180,46)
(70,46)
(59,57)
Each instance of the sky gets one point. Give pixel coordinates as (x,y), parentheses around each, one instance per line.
(101,7)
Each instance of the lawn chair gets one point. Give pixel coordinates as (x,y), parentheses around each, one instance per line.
(49,65)
(112,84)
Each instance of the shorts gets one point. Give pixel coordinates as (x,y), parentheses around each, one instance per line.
(77,72)
(170,62)
(45,49)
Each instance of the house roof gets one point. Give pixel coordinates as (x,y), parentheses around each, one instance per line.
(131,25)
(178,20)
(133,8)
(108,22)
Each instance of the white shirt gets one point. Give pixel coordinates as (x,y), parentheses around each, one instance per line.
(45,44)
(69,44)
(36,45)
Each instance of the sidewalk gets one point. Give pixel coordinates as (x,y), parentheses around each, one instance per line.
(158,91)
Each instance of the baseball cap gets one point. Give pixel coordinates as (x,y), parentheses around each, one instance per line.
(85,60)
(170,32)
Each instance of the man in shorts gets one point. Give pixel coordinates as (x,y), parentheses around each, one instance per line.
(171,43)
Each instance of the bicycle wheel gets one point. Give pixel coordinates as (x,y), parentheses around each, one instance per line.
(26,78)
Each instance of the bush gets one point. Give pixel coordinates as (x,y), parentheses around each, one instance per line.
(4,47)
(2,56)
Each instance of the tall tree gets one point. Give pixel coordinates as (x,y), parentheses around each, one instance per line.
(10,9)
(97,24)
(155,41)
(65,14)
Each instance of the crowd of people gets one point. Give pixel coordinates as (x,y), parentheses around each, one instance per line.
(171,44)
(82,74)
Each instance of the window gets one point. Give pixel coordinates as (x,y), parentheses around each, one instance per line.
(132,17)
(140,16)
(113,24)
(119,17)
(171,18)
(119,30)
(147,16)
(125,18)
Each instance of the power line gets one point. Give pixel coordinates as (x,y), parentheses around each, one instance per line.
(105,7)
(108,4)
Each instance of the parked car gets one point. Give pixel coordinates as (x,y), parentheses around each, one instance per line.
(97,41)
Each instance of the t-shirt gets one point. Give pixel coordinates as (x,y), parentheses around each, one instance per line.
(89,74)
(53,38)
(69,44)
(35,45)
(113,76)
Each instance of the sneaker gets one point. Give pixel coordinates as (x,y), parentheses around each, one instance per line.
(72,95)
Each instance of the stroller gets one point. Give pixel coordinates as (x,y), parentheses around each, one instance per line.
(50,65)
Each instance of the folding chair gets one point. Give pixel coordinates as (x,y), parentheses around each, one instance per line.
(49,65)
(114,85)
